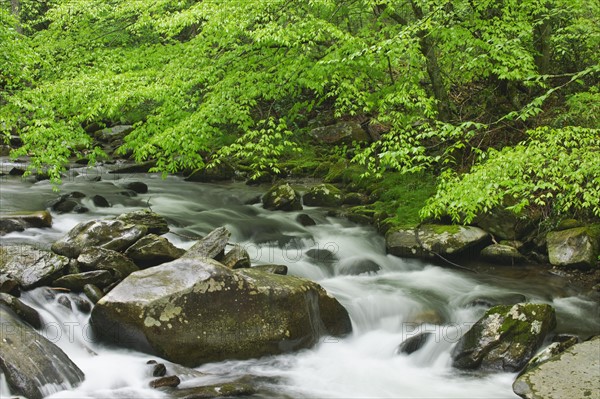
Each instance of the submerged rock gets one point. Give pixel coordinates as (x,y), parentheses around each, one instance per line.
(152,250)
(505,338)
(575,373)
(30,266)
(578,247)
(223,390)
(323,195)
(305,220)
(192,311)
(110,234)
(282,197)
(34,367)
(414,343)
(356,266)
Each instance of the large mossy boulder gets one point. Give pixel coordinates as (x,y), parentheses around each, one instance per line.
(33,366)
(31,267)
(195,310)
(578,247)
(110,234)
(154,223)
(282,197)
(505,338)
(430,239)
(505,225)
(152,250)
(574,373)
(340,133)
(323,195)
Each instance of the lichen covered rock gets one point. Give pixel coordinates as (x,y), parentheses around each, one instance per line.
(31,267)
(282,197)
(574,373)
(447,240)
(194,310)
(505,338)
(110,234)
(323,195)
(154,223)
(578,247)
(152,250)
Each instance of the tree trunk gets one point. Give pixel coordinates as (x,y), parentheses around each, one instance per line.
(429,51)
(541,40)
(15,8)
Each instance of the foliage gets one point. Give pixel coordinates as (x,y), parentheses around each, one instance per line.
(556,170)
(452,82)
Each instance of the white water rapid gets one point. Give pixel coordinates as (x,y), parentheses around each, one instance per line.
(386,307)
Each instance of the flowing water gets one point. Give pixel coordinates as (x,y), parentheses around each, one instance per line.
(403,298)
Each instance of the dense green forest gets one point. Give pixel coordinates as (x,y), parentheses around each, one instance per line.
(498,99)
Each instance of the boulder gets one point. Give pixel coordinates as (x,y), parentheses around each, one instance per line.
(549,352)
(282,197)
(153,222)
(152,250)
(33,366)
(575,373)
(356,266)
(414,343)
(76,282)
(100,201)
(136,186)
(305,220)
(211,246)
(30,266)
(163,382)
(578,247)
(25,312)
(236,258)
(499,253)
(446,240)
(192,311)
(221,172)
(323,195)
(505,225)
(505,338)
(93,293)
(115,133)
(9,285)
(340,133)
(20,221)
(110,234)
(96,258)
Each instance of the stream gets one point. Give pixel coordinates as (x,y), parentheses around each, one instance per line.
(403,298)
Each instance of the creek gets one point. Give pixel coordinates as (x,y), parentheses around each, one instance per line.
(386,307)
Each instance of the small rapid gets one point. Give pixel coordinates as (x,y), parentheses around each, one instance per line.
(392,299)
